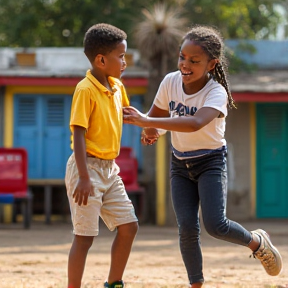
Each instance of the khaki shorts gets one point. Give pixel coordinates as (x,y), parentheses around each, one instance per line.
(110,200)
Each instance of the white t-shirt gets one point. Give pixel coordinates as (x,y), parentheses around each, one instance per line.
(171,97)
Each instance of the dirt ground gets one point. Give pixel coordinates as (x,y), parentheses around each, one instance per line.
(37,258)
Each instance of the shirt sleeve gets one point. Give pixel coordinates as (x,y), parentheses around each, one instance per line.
(125,99)
(80,109)
(217,99)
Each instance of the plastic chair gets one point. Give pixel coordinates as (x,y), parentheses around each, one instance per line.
(13,181)
(126,152)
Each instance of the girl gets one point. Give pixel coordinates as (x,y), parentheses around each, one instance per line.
(192,103)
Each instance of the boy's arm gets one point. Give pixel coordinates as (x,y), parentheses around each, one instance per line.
(84,186)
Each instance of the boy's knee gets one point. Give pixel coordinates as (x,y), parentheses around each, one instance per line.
(129,229)
(85,242)
(134,228)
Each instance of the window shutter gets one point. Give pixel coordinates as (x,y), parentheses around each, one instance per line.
(27,128)
(26,112)
(55,112)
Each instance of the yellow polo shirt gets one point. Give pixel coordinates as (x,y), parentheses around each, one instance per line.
(99,111)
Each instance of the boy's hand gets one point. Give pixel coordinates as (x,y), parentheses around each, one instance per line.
(149,136)
(84,188)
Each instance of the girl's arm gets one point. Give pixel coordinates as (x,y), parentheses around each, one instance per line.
(150,135)
(157,112)
(181,124)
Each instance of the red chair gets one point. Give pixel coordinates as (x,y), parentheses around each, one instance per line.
(129,174)
(126,152)
(13,181)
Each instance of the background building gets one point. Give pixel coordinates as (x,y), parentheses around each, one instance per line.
(35,99)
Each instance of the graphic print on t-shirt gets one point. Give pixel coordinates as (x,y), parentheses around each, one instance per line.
(180,109)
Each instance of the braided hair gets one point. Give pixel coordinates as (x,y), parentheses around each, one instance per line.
(211,41)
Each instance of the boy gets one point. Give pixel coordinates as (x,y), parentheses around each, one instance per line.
(93,186)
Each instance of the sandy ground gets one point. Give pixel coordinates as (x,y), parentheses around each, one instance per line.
(37,258)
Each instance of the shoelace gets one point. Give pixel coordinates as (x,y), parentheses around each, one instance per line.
(265,257)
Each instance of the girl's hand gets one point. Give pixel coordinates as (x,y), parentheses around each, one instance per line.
(133,116)
(149,136)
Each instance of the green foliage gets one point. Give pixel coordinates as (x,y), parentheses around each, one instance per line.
(47,23)
(62,23)
(237,19)
(236,64)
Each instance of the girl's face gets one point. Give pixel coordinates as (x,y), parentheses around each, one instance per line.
(194,65)
(115,60)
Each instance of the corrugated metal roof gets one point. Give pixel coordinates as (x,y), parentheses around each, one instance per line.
(260,81)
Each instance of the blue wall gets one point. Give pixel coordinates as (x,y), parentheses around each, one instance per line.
(41,125)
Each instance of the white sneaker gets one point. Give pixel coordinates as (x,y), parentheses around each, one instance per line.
(269,256)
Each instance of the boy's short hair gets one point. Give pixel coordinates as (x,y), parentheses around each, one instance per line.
(102,38)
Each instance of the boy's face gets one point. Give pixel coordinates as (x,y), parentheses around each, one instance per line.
(115,61)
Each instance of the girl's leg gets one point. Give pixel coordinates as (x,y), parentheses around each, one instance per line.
(186,205)
(213,191)
(77,259)
(213,195)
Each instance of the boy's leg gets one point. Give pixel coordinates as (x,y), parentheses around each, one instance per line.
(117,212)
(77,259)
(120,250)
(85,219)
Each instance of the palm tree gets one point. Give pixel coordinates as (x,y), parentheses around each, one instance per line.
(157,38)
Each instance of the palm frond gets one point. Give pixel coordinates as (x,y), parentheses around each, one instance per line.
(160,30)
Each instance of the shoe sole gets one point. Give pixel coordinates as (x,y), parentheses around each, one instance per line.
(272,248)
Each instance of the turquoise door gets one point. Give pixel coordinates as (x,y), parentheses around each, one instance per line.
(272,160)
(41,125)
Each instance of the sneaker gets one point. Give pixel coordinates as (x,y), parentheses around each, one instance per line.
(269,256)
(117,284)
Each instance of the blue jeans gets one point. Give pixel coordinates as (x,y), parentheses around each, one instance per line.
(202,180)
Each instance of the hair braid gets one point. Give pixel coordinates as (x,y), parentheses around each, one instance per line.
(219,75)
